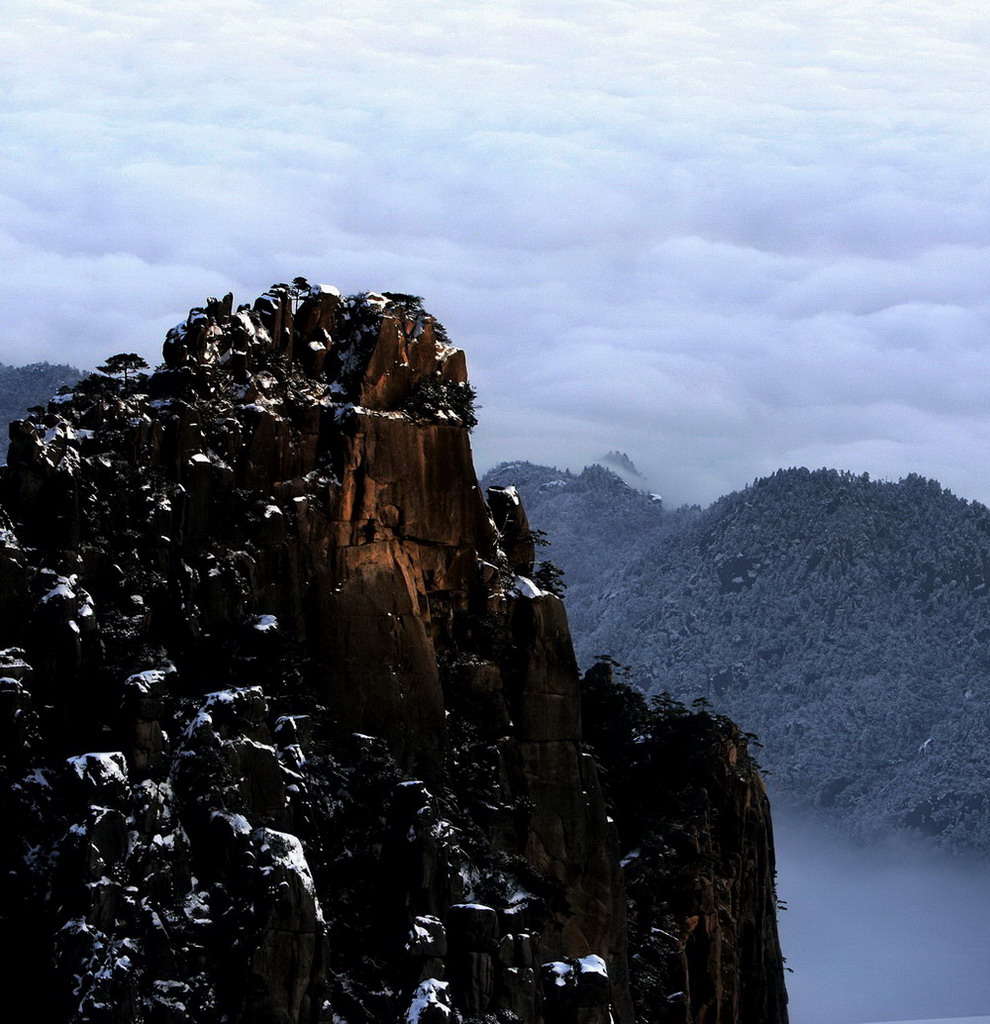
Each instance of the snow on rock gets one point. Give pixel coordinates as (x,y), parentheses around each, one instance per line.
(290,909)
(427,937)
(409,783)
(150,680)
(13,664)
(472,927)
(102,773)
(285,851)
(559,972)
(573,982)
(171,996)
(592,964)
(430,1003)
(238,823)
(62,590)
(524,587)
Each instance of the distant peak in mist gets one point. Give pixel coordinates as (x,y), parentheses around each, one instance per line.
(622,461)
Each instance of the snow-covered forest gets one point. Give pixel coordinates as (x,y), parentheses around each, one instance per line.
(24,386)
(841,619)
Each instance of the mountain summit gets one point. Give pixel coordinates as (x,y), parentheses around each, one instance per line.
(289,734)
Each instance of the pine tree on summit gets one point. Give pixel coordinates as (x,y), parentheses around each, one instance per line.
(123,364)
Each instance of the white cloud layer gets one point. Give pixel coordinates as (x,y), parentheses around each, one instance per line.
(721,236)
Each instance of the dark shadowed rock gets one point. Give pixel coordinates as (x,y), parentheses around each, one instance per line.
(346,778)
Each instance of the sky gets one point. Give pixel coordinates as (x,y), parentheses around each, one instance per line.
(722,237)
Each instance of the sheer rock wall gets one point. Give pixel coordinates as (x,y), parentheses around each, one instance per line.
(288,734)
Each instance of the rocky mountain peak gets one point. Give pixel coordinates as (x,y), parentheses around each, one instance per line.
(288,732)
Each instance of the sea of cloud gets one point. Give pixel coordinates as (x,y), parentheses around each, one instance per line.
(721,236)
(895,932)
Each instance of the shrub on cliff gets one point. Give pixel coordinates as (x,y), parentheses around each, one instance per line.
(437,401)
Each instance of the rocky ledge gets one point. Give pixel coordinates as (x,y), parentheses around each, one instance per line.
(289,734)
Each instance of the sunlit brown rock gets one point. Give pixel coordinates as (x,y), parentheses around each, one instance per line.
(261,593)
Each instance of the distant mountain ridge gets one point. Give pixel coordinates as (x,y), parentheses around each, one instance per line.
(594,522)
(841,619)
(22,387)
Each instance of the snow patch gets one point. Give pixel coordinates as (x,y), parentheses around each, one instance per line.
(524,587)
(102,767)
(560,971)
(286,851)
(149,680)
(429,993)
(62,589)
(593,964)
(238,822)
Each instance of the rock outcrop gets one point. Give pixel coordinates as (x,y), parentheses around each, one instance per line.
(697,840)
(288,732)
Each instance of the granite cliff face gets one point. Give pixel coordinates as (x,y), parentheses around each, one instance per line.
(290,735)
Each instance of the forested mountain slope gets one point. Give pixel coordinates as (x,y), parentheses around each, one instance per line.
(592,522)
(22,387)
(843,620)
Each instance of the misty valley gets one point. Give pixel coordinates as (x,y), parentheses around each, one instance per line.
(882,931)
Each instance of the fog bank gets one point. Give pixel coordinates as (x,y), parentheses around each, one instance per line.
(941,1020)
(721,236)
(891,933)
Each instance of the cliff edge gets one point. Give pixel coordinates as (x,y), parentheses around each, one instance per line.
(288,732)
